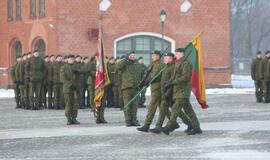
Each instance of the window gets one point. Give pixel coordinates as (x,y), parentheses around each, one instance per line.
(41,47)
(142,45)
(10,10)
(18,9)
(18,49)
(42,11)
(32,8)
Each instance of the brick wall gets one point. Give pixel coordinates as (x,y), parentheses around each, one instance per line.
(73,19)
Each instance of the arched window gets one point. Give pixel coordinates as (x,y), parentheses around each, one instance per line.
(41,47)
(143,45)
(18,49)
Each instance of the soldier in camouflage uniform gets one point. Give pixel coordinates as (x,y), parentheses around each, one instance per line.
(50,81)
(36,78)
(142,98)
(109,88)
(257,76)
(79,80)
(85,73)
(181,93)
(68,77)
(118,84)
(156,65)
(58,99)
(266,77)
(27,81)
(166,97)
(20,73)
(45,81)
(16,82)
(131,76)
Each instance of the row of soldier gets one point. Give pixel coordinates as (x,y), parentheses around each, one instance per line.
(260,73)
(32,81)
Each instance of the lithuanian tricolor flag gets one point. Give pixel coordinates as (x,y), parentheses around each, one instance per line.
(195,58)
(102,77)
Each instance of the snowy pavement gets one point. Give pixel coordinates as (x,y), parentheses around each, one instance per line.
(235,127)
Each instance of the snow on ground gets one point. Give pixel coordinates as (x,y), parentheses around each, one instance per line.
(241,81)
(6,93)
(230,91)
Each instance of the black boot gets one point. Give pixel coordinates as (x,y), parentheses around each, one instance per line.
(136,123)
(155,130)
(103,121)
(188,129)
(69,121)
(196,130)
(74,121)
(144,128)
(165,130)
(128,124)
(175,126)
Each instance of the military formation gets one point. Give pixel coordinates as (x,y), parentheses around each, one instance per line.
(68,82)
(260,73)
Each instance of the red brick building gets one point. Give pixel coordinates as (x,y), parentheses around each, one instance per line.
(69,26)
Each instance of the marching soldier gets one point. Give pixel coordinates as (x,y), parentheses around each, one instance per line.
(68,76)
(36,78)
(156,66)
(131,76)
(58,99)
(166,97)
(144,68)
(257,76)
(16,82)
(181,93)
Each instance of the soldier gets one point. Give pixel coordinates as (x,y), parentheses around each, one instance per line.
(85,73)
(166,97)
(257,76)
(79,80)
(45,82)
(67,76)
(156,66)
(58,99)
(266,77)
(16,82)
(20,73)
(50,81)
(109,88)
(118,84)
(181,84)
(131,76)
(36,78)
(91,82)
(27,80)
(144,68)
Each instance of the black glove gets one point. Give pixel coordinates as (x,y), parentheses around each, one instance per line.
(167,85)
(73,87)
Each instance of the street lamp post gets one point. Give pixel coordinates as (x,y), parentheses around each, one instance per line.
(162,17)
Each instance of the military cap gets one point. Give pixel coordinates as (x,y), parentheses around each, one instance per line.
(19,56)
(46,56)
(71,56)
(65,56)
(180,50)
(259,52)
(76,56)
(59,55)
(131,52)
(52,55)
(140,58)
(84,58)
(29,52)
(156,52)
(169,54)
(267,52)
(122,57)
(35,51)
(111,58)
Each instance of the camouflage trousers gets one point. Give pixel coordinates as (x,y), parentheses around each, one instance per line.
(130,111)
(58,98)
(258,90)
(180,105)
(151,109)
(35,95)
(17,95)
(71,108)
(266,91)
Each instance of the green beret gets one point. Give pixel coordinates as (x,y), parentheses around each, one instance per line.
(71,56)
(84,58)
(259,52)
(111,58)
(131,52)
(59,55)
(267,52)
(156,52)
(169,54)
(140,58)
(180,50)
(52,55)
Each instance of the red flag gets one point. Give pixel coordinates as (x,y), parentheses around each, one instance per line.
(102,77)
